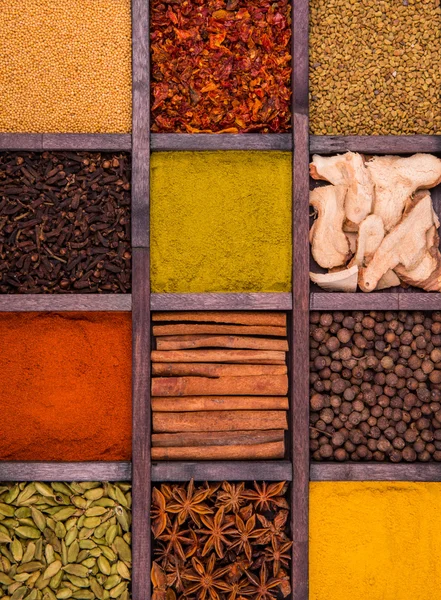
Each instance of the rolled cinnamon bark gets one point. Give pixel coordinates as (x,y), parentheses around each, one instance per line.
(275,319)
(217,438)
(179,342)
(261,385)
(198,403)
(257,451)
(215,370)
(234,420)
(195,328)
(252,357)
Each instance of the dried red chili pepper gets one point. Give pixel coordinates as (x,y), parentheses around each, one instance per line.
(221,66)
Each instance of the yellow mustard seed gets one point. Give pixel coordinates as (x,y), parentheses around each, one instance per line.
(65,66)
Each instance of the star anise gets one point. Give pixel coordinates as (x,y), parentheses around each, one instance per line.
(244,533)
(175,539)
(159,581)
(237,567)
(158,513)
(236,589)
(195,546)
(273,529)
(176,571)
(231,497)
(261,586)
(262,497)
(279,554)
(217,528)
(162,553)
(189,503)
(205,580)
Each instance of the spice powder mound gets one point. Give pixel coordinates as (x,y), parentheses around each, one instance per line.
(229,209)
(221,66)
(65,381)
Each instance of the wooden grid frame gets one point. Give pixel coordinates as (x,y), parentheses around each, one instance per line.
(140,143)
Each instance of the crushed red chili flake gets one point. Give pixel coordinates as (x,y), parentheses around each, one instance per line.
(221,66)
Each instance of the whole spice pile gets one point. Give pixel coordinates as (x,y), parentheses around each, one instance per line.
(219,386)
(66,67)
(65,383)
(221,541)
(65,540)
(221,66)
(376,226)
(375,386)
(64,222)
(375,67)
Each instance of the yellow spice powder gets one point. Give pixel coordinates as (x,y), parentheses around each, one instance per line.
(65,66)
(375,541)
(221,222)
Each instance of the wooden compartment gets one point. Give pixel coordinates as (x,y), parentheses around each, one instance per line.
(298,301)
(220,385)
(399,296)
(253,519)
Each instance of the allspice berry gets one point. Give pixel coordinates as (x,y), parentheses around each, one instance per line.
(376,386)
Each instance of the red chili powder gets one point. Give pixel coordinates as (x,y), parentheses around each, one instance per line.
(65,381)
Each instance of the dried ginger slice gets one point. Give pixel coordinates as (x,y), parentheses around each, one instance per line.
(389,279)
(396,178)
(347,169)
(352,240)
(329,245)
(405,245)
(427,274)
(370,236)
(339,281)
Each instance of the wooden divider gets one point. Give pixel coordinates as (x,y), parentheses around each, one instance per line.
(298,470)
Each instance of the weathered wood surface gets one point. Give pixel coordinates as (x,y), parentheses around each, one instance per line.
(380,301)
(87,141)
(375,144)
(141,425)
(300,315)
(65,471)
(375,472)
(65,302)
(214,301)
(272,470)
(141,429)
(222,141)
(65,141)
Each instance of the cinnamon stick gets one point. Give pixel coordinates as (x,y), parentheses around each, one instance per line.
(196,328)
(234,420)
(275,319)
(256,451)
(253,357)
(178,342)
(217,438)
(192,403)
(262,385)
(215,370)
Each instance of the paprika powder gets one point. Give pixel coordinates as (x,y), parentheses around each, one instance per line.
(65,381)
